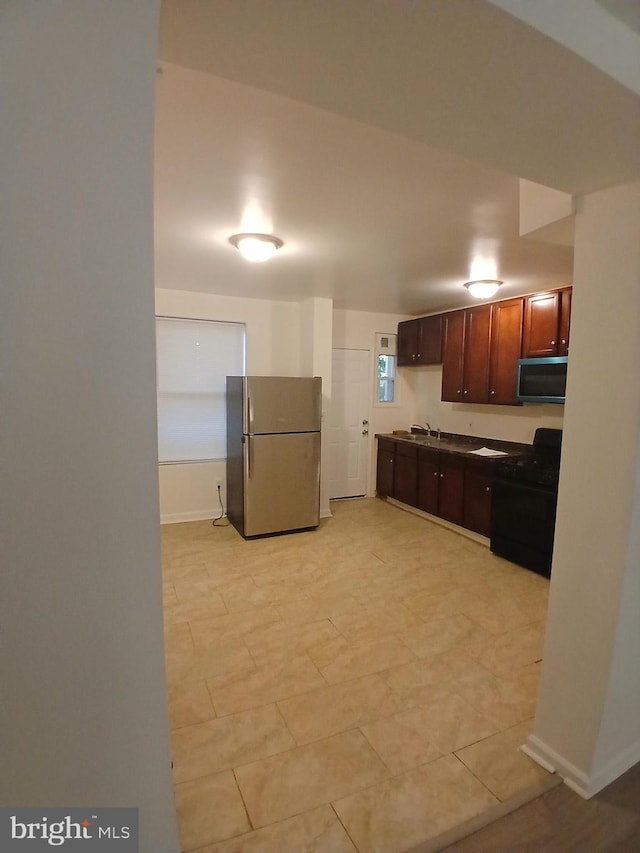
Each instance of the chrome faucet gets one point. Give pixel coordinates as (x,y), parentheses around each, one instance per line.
(427,427)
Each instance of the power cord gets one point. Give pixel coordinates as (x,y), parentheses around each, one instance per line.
(217,519)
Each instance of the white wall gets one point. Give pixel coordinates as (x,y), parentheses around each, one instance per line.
(83,713)
(287,339)
(275,347)
(588,720)
(508,423)
(357,330)
(317,315)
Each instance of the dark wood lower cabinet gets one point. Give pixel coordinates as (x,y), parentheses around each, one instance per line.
(477,498)
(441,484)
(428,480)
(456,488)
(385,467)
(405,481)
(451,497)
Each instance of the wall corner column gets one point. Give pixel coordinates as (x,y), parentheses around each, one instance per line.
(588,717)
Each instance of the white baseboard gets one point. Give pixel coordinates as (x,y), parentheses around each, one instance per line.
(584,784)
(194,515)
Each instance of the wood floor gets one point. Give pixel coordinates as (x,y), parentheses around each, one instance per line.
(561,822)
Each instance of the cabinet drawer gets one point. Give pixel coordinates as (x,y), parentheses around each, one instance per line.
(386,446)
(407,450)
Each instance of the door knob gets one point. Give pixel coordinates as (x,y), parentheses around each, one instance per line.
(365,422)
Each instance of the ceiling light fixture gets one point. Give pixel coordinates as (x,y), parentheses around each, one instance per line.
(256,247)
(483,288)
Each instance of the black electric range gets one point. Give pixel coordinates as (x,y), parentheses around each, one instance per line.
(523,508)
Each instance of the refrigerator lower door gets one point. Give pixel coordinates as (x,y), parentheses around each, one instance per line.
(281,482)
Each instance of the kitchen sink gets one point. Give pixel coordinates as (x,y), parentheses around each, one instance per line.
(423,439)
(443,443)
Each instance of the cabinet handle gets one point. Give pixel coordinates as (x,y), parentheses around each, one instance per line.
(563,341)
(418,356)
(458,391)
(492,393)
(435,473)
(552,343)
(442,475)
(488,489)
(466,392)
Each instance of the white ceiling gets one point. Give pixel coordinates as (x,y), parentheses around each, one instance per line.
(628,11)
(342,128)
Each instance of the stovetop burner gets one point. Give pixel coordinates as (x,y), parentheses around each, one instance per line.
(540,467)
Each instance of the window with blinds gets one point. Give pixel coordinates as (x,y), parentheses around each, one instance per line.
(194,357)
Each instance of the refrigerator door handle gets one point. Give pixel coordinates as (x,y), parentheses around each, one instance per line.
(248,457)
(249,415)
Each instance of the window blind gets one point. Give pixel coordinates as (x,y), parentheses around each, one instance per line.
(194,357)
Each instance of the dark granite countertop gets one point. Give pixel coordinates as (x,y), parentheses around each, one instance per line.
(461,445)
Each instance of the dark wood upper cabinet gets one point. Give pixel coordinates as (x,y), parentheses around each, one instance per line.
(430,340)
(420,341)
(479,347)
(477,337)
(546,324)
(506,343)
(465,357)
(565,321)
(452,356)
(407,342)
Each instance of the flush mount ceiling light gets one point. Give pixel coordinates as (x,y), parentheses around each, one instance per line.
(483,288)
(256,247)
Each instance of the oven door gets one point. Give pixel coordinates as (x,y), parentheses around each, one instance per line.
(523,518)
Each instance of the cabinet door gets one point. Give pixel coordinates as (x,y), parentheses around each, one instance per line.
(429,340)
(407,342)
(384,470)
(565,321)
(541,318)
(405,477)
(452,356)
(451,496)
(477,332)
(506,343)
(477,500)
(428,480)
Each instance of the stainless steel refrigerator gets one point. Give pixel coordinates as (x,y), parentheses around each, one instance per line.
(273,453)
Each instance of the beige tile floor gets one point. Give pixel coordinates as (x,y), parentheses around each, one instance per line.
(364,686)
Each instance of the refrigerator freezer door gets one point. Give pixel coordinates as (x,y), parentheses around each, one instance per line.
(282,404)
(281,482)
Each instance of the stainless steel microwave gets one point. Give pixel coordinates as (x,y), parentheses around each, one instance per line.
(542,380)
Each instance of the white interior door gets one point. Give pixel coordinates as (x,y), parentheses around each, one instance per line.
(347,424)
